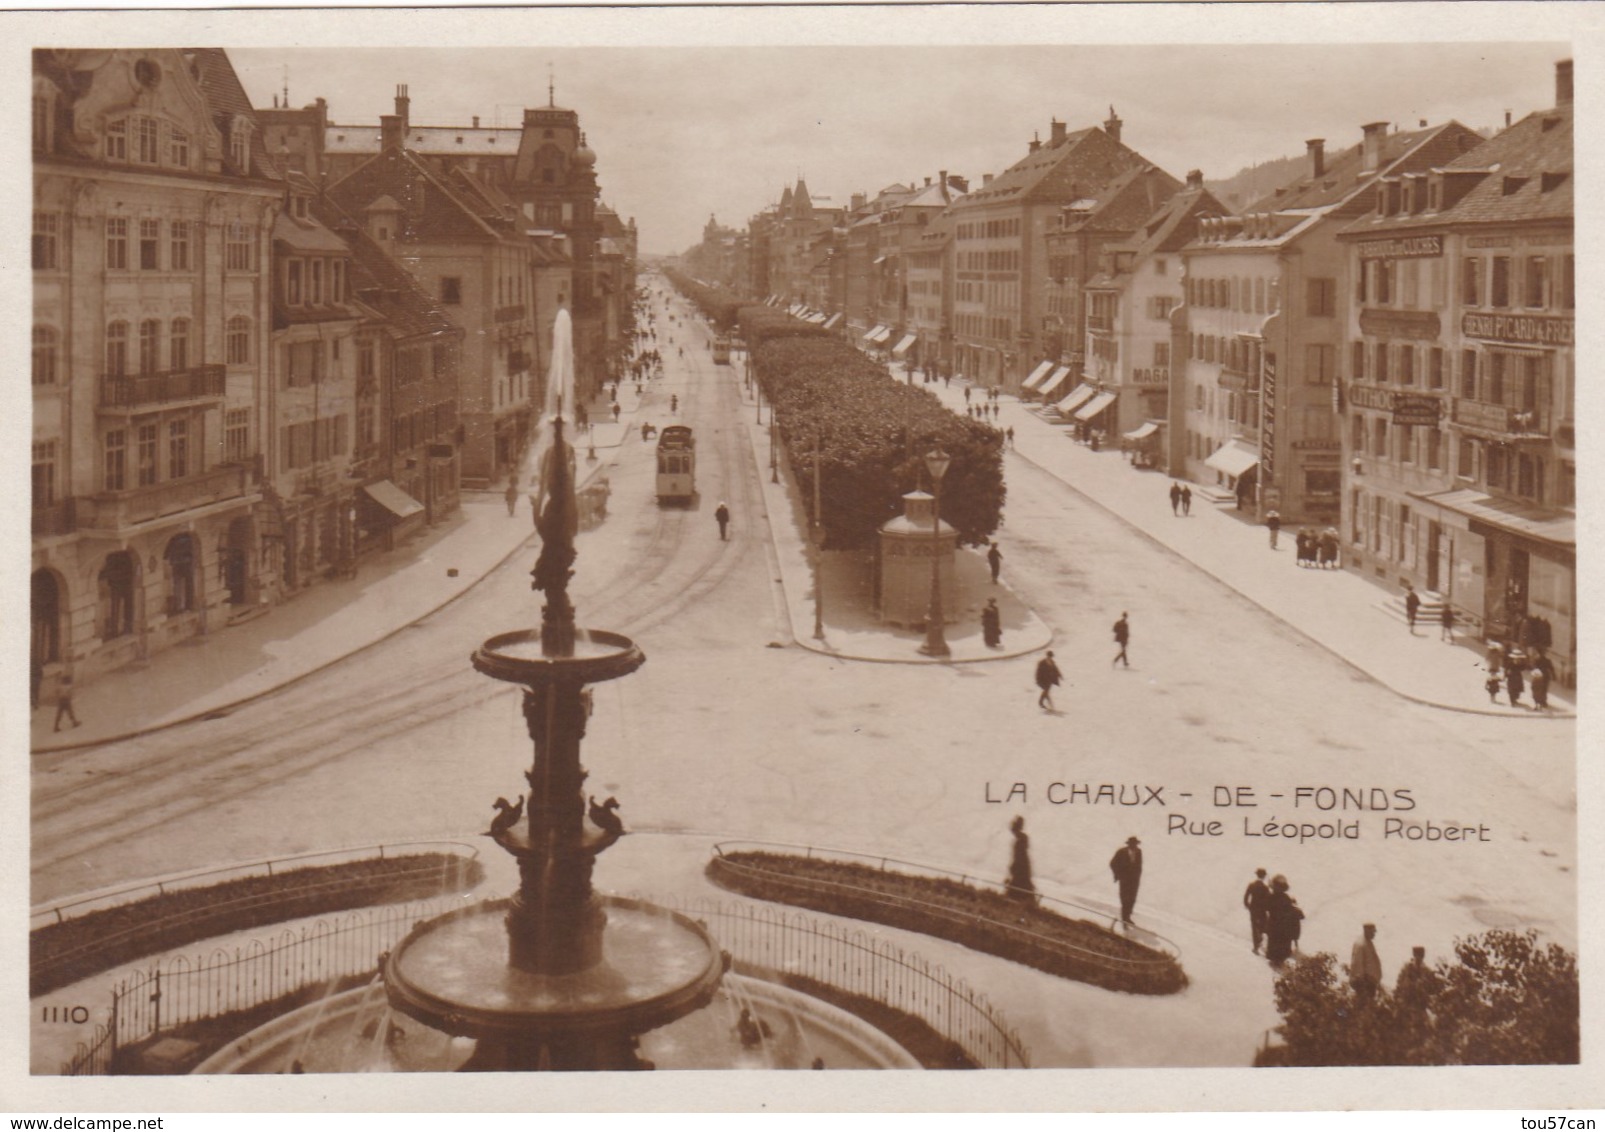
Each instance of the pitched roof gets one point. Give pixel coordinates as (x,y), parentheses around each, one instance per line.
(381,283)
(226,98)
(431,211)
(1521,156)
(1346,175)
(1124,203)
(1078,168)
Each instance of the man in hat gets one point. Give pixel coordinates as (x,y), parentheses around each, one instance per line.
(722,516)
(1257,899)
(1365,965)
(1126,865)
(1273,523)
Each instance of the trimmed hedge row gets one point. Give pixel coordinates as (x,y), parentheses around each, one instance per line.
(977,918)
(63,953)
(720,306)
(873,433)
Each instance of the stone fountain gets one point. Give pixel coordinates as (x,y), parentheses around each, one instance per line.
(556,976)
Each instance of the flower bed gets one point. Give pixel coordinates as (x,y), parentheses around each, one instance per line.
(97,941)
(979,918)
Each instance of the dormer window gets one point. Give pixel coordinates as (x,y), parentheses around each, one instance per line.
(178,148)
(44,115)
(146,141)
(239,143)
(117,141)
(292,282)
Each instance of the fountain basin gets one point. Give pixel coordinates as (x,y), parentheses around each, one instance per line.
(597,656)
(452,973)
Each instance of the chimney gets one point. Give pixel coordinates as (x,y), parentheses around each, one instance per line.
(927,182)
(392,131)
(1563,83)
(476,121)
(1316,148)
(1036,143)
(1195,178)
(403,104)
(1371,146)
(962,184)
(986,178)
(1112,124)
(1055,132)
(1507,119)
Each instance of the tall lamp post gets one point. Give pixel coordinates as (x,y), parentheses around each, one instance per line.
(936,462)
(819,561)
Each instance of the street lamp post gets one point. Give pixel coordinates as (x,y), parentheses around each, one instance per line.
(819,551)
(774,464)
(936,462)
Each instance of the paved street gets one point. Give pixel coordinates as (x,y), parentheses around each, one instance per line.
(724,734)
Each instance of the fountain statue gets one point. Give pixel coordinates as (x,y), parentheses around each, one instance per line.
(556,976)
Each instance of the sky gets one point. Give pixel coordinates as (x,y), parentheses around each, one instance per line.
(682,133)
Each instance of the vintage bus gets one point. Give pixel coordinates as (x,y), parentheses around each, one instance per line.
(721,350)
(677,464)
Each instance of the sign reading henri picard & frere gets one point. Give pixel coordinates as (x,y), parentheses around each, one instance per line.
(1526,328)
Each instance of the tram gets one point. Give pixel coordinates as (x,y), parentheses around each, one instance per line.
(677,464)
(721,350)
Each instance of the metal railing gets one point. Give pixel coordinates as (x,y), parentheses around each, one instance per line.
(782,942)
(122,391)
(185,990)
(112,510)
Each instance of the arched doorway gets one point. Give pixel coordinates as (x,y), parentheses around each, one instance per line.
(116,585)
(180,557)
(45,609)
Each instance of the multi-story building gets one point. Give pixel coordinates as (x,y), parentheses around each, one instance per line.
(1000,243)
(1128,316)
(154,205)
(928,273)
(1262,331)
(1459,435)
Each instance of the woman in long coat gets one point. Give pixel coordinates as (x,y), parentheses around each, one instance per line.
(1282,922)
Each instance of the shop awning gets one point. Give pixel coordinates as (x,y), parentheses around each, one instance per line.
(1029,385)
(1557,527)
(902,347)
(1076,399)
(830,323)
(1234,457)
(1097,405)
(1143,431)
(817,317)
(393,499)
(869,335)
(1056,379)
(880,334)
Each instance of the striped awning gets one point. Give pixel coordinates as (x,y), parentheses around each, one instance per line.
(1071,403)
(880,334)
(1143,431)
(902,347)
(1095,406)
(1056,380)
(830,323)
(869,335)
(1030,384)
(1234,457)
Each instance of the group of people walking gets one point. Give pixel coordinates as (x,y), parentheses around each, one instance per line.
(1517,672)
(1274,917)
(1181,500)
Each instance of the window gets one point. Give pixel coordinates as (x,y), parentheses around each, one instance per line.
(337,280)
(1320,360)
(1465,466)
(116,243)
(1321,297)
(315,283)
(116,589)
(114,474)
(1468,373)
(177,449)
(1322,481)
(305,363)
(1500,285)
(1407,443)
(1537,288)
(1357,361)
(237,341)
(44,474)
(1568,283)
(46,349)
(150,235)
(1357,434)
(147,141)
(239,143)
(178,148)
(365,361)
(1532,374)
(1379,437)
(1380,375)
(117,141)
(46,241)
(1409,283)
(1471,282)
(42,110)
(117,349)
(451,289)
(1496,377)
(239,253)
(1384,288)
(237,435)
(1435,368)
(1161,355)
(1435,449)
(146,438)
(178,245)
(178,345)
(1405,364)
(292,282)
(150,331)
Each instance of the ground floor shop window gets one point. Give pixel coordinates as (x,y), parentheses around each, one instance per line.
(116,585)
(180,557)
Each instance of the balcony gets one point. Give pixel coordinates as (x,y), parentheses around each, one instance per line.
(117,510)
(54,520)
(131,391)
(1502,421)
(1103,322)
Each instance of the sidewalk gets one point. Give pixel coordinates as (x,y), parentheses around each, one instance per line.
(320,625)
(1337,609)
(851,629)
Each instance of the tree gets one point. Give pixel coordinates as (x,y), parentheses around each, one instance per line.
(1505,1000)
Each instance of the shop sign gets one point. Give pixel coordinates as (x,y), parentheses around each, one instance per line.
(1399,324)
(1233,382)
(1318,445)
(1267,457)
(1369,397)
(1519,328)
(1402,247)
(1156,376)
(1410,409)
(1480,414)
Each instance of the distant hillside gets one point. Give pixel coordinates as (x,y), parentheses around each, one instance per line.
(1246,186)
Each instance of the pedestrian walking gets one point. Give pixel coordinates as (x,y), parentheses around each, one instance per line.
(1126,865)
(722,516)
(994,559)
(1301,547)
(511,495)
(1010,434)
(1491,686)
(992,624)
(1447,620)
(64,700)
(966,394)
(1496,658)
(1538,681)
(1329,549)
(674,402)
(1186,500)
(1282,922)
(1365,965)
(1019,886)
(1514,683)
(1048,676)
(1412,604)
(1257,899)
(1273,523)
(1175,498)
(615,411)
(1122,630)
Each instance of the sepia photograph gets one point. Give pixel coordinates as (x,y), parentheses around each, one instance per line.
(802,539)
